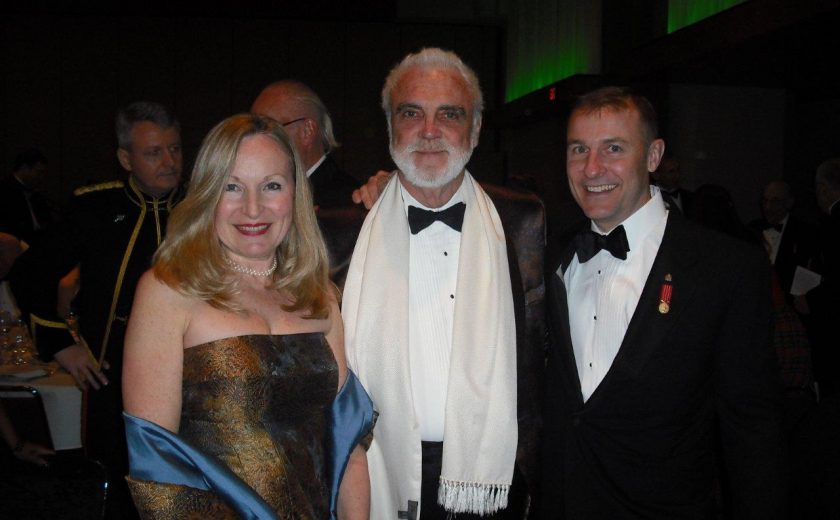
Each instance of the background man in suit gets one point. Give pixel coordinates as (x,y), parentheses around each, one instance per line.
(667,177)
(308,122)
(820,304)
(443,311)
(789,241)
(652,338)
(24,211)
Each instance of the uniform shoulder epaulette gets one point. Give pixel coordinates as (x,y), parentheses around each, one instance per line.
(98,187)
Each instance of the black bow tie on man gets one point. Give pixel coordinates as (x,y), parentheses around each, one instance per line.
(588,243)
(419,218)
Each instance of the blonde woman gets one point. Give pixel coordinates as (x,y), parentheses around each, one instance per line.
(235,353)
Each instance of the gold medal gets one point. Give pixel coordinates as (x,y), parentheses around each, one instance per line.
(665,295)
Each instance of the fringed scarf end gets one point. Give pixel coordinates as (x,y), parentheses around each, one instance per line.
(472,497)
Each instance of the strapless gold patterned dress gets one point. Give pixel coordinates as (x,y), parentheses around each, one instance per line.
(259,404)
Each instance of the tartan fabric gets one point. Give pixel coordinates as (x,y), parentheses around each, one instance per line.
(790,340)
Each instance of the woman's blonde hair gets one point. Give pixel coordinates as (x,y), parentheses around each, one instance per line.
(191,259)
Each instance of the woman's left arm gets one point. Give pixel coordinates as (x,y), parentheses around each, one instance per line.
(354,492)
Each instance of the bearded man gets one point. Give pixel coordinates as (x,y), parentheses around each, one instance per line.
(436,320)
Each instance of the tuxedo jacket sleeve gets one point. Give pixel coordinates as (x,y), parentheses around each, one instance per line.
(523,219)
(331,186)
(643,444)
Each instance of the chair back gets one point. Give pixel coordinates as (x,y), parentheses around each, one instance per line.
(25,409)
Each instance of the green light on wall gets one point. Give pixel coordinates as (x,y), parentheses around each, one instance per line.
(549,41)
(682,13)
(543,70)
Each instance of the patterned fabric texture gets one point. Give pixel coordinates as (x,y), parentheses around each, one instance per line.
(260,405)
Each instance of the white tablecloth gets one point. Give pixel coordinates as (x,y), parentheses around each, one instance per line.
(63,405)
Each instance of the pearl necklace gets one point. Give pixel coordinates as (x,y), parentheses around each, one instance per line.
(253,272)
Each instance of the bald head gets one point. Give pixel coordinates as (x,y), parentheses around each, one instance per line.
(828,184)
(303,115)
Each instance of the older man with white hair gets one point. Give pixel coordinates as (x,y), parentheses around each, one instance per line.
(437,325)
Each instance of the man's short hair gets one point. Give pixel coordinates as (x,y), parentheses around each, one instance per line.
(140,111)
(434,58)
(620,98)
(28,157)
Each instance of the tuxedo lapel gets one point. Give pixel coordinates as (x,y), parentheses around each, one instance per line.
(649,325)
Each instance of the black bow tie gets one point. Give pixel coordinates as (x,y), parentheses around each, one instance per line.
(588,243)
(419,218)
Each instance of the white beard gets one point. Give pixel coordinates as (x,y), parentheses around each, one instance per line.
(427,177)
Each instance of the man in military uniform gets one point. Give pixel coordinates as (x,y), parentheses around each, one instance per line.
(105,242)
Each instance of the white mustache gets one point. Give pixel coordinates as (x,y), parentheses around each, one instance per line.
(429,146)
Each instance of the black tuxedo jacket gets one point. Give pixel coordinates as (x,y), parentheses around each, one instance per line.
(523,219)
(824,302)
(686,200)
(642,446)
(331,186)
(797,247)
(15,217)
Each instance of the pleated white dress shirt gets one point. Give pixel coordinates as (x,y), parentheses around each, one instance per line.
(432,279)
(603,293)
(773,237)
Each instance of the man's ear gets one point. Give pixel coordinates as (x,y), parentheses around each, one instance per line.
(122,156)
(655,151)
(476,130)
(309,131)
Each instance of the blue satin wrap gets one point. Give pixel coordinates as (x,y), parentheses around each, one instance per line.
(155,454)
(351,418)
(158,455)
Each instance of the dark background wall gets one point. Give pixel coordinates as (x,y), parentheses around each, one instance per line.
(63,76)
(745,96)
(748,95)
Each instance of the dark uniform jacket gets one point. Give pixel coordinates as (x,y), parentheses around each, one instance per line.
(111,232)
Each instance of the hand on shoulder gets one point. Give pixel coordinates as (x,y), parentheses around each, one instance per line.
(368,193)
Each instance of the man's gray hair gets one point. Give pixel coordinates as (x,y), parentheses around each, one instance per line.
(434,58)
(829,173)
(314,108)
(140,111)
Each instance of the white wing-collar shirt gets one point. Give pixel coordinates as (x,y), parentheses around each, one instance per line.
(603,292)
(432,279)
(773,237)
(314,167)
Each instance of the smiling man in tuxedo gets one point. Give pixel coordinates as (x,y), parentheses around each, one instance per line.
(660,334)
